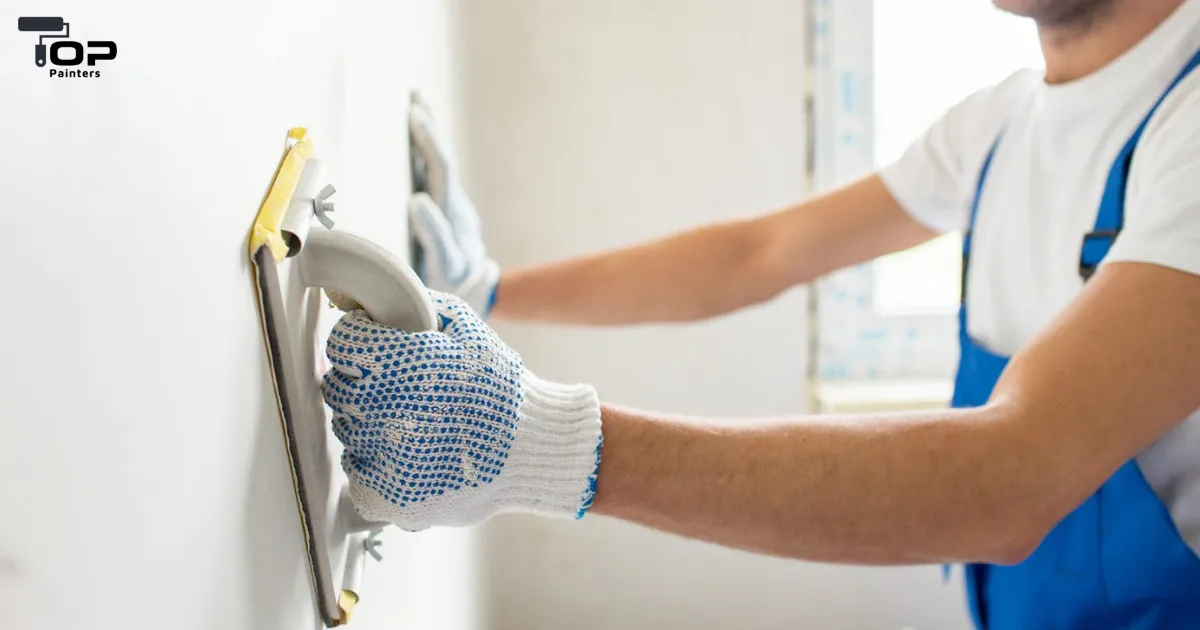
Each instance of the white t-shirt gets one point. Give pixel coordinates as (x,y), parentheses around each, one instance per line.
(1046,179)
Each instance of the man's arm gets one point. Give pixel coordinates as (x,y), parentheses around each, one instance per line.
(714,269)
(1117,370)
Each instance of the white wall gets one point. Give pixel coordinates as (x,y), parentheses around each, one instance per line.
(143,482)
(593,124)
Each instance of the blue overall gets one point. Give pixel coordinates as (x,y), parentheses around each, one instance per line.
(1118,560)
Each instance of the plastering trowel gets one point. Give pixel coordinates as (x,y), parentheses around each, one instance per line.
(293,260)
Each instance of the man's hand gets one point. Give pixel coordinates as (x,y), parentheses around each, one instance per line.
(449,428)
(451,254)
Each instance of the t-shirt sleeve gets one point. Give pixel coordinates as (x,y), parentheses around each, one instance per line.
(1162,201)
(934,179)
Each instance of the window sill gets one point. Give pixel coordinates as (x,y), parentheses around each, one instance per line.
(884,395)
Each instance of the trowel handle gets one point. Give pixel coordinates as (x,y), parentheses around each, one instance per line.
(360,546)
(356,560)
(386,288)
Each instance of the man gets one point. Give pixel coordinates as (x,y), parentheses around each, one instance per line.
(1067,475)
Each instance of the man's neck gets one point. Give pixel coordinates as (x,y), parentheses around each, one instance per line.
(1073,51)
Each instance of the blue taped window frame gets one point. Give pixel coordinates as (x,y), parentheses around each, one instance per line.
(852,341)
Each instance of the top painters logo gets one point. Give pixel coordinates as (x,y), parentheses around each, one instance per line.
(65,54)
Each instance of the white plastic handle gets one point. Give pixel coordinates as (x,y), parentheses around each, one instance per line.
(299,217)
(356,560)
(386,288)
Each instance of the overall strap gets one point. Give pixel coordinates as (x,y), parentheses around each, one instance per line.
(966,241)
(1111,216)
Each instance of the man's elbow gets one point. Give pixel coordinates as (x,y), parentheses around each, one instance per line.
(1011,533)
(1026,520)
(1016,545)
(1029,495)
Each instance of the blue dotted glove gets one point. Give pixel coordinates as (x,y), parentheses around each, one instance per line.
(449,428)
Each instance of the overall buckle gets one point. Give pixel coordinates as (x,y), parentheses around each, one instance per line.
(1086,269)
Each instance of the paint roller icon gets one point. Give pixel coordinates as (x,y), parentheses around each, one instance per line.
(43,25)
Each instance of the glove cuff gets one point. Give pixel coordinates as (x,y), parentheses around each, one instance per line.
(479,290)
(551,469)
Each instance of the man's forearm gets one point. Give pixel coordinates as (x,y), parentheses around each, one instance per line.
(714,269)
(687,276)
(940,486)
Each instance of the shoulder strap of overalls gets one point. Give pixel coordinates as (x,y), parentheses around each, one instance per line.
(966,241)
(1111,216)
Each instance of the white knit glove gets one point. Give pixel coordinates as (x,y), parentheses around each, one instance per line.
(449,428)
(450,254)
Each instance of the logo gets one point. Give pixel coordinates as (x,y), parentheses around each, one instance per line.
(65,54)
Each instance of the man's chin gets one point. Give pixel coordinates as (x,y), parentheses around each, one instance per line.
(1056,13)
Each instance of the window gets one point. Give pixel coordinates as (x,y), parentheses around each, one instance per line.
(928,55)
(884,71)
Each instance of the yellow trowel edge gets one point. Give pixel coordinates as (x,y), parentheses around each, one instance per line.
(267,250)
(267,224)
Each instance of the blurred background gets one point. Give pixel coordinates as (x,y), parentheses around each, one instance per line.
(143,482)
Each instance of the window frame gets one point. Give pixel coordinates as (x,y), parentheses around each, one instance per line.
(864,345)
(851,340)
